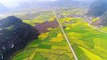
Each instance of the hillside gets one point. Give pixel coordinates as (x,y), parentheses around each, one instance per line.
(14,35)
(98,8)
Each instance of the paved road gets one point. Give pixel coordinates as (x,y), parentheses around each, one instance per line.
(66,37)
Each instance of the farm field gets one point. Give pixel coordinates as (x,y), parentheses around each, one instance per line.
(48,45)
(88,43)
(53,30)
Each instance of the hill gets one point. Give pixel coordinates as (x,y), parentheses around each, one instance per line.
(14,35)
(98,8)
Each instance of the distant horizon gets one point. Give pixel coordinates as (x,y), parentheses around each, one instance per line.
(15,3)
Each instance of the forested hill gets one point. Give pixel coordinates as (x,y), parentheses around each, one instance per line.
(14,35)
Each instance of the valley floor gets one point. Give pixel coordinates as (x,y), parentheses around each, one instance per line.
(77,39)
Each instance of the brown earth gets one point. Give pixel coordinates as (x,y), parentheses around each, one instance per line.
(43,27)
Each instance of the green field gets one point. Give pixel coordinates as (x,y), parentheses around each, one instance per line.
(84,38)
(44,48)
(88,43)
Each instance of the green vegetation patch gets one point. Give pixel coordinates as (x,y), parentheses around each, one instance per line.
(45,46)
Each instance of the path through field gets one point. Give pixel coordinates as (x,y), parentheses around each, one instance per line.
(66,37)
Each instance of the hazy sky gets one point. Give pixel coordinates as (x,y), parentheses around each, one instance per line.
(13,3)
